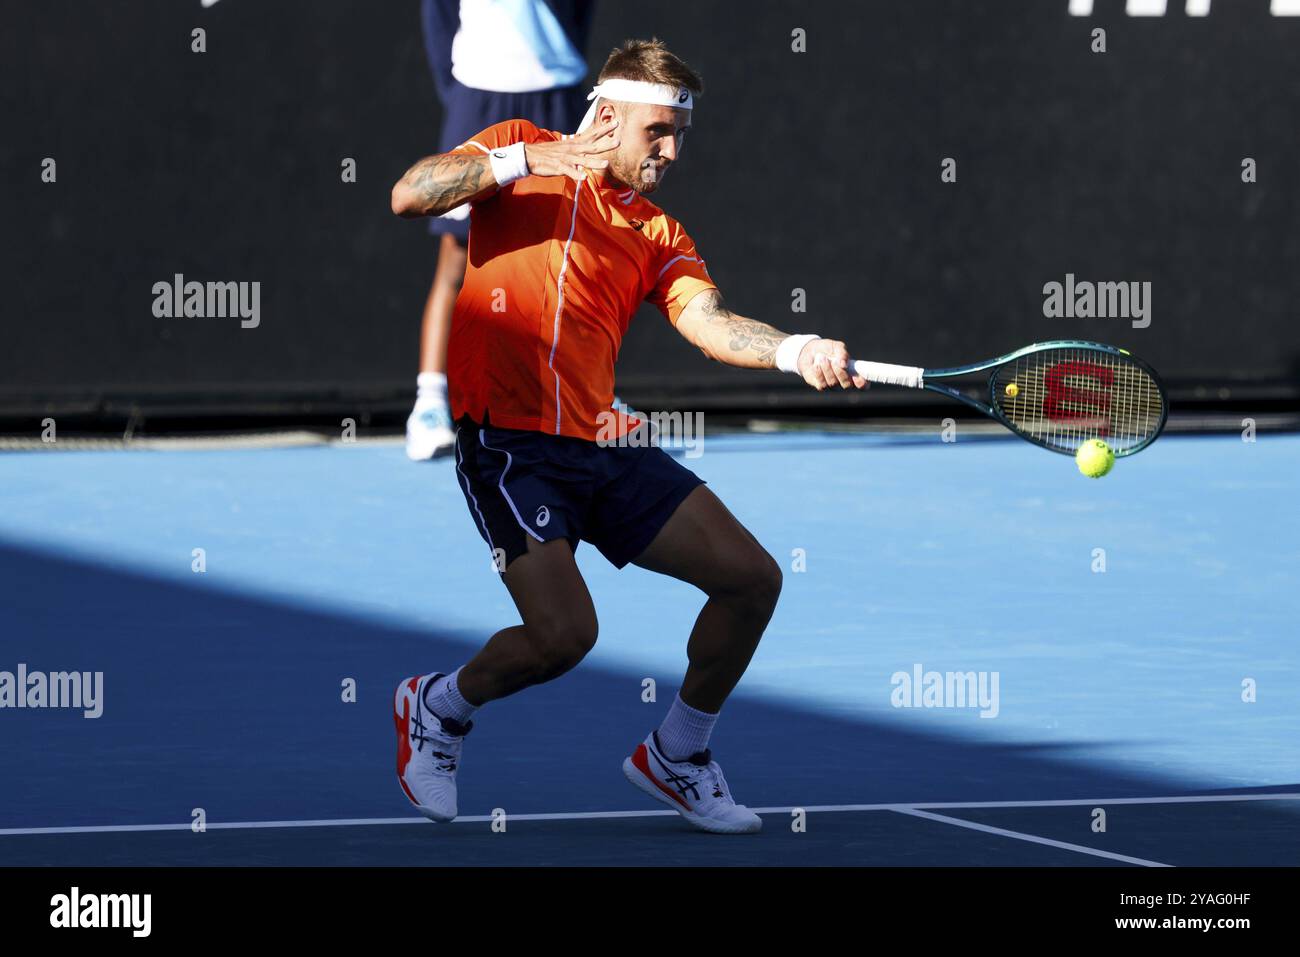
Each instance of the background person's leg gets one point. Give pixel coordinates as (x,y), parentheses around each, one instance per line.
(429,428)
(559,626)
(448,277)
(705,545)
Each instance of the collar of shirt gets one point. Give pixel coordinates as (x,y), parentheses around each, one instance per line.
(621,192)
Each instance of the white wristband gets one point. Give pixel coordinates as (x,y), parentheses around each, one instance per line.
(787,353)
(508,163)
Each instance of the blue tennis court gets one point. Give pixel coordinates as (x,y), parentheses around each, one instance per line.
(1129,641)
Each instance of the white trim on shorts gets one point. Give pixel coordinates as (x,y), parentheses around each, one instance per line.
(501,484)
(482,522)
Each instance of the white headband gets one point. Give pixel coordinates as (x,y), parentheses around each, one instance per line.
(637,91)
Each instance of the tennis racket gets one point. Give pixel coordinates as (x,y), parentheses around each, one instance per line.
(1054,394)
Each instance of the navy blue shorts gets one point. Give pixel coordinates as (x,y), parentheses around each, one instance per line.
(467,111)
(521,485)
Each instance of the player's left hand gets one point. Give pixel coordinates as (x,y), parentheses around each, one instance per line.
(824,364)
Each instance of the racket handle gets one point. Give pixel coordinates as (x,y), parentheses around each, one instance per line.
(887,374)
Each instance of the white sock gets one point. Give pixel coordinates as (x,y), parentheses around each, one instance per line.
(444,699)
(685,730)
(431,388)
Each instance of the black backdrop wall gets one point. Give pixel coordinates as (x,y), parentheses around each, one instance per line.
(817,171)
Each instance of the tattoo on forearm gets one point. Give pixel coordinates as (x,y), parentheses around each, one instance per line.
(744,335)
(444,182)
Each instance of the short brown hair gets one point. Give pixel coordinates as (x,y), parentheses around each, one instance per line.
(651,62)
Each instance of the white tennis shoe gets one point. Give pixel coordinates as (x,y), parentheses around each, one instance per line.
(694,788)
(428,750)
(429,433)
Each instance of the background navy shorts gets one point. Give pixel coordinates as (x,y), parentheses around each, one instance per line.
(467,111)
(523,484)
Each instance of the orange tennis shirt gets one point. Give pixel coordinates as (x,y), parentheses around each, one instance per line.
(556,271)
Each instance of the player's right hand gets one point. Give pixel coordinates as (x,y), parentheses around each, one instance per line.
(824,364)
(573,157)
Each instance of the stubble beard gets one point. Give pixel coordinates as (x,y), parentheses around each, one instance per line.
(635,177)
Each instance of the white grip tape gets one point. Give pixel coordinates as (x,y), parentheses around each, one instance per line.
(887,374)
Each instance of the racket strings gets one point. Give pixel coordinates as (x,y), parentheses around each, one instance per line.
(1063,397)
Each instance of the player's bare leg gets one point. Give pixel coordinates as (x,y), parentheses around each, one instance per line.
(432,712)
(559,626)
(705,545)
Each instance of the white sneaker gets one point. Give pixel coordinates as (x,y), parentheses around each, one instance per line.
(694,788)
(428,750)
(429,431)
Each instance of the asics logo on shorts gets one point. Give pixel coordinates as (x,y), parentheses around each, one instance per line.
(543,517)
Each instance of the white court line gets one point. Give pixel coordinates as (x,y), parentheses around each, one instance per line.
(330,822)
(603,815)
(1031,838)
(1069,802)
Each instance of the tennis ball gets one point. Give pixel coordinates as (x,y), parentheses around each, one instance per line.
(1094,458)
(1013,390)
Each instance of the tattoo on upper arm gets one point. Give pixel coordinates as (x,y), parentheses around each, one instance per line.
(449,179)
(715,310)
(743,334)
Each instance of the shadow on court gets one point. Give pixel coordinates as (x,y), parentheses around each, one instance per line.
(234,705)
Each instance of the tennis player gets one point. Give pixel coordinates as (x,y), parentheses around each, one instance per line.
(490,61)
(564,245)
